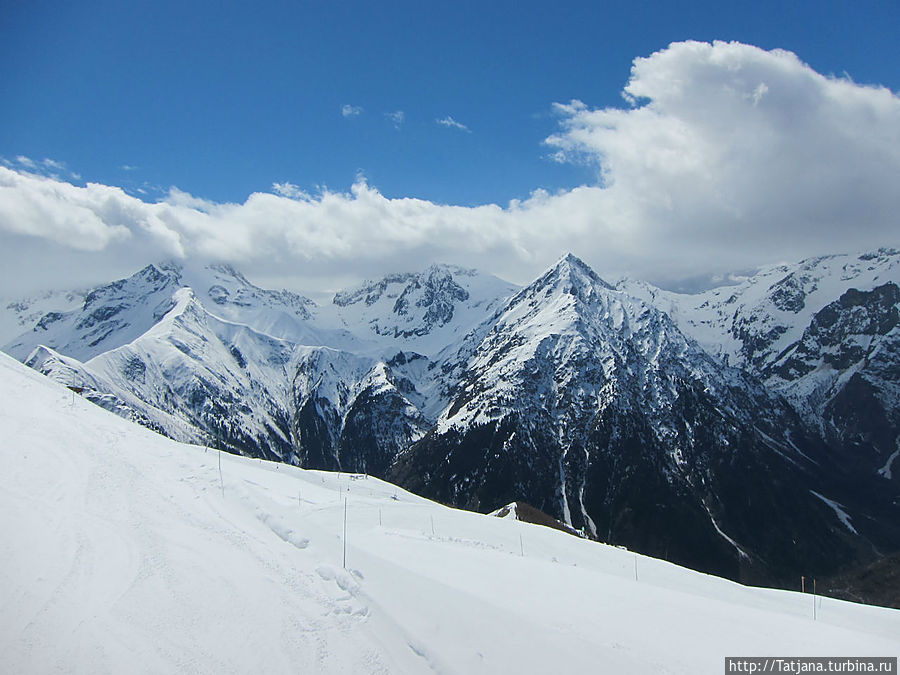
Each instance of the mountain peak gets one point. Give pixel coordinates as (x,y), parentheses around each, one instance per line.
(393,285)
(444,269)
(572,268)
(163,267)
(570,257)
(570,275)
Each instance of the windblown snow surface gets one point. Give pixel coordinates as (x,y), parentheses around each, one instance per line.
(123,551)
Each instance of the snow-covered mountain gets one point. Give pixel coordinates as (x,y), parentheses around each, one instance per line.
(148,347)
(118,313)
(203,355)
(20,314)
(357,408)
(124,551)
(354,413)
(593,406)
(824,332)
(421,312)
(681,426)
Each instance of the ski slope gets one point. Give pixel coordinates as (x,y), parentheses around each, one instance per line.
(124,551)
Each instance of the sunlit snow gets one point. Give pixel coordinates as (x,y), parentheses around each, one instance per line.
(124,551)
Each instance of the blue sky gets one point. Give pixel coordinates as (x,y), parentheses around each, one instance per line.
(223,100)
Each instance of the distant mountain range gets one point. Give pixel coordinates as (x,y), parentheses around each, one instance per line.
(751,431)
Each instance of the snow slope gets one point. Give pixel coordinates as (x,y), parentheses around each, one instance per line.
(19,314)
(123,552)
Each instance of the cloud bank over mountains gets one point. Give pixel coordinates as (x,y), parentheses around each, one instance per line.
(725,156)
(727,142)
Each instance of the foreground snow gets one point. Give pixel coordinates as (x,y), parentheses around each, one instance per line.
(123,552)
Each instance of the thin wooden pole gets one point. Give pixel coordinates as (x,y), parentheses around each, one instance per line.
(815,611)
(221,480)
(345,533)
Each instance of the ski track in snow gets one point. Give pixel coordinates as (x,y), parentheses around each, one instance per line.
(121,554)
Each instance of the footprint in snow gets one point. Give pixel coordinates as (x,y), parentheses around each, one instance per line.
(343,580)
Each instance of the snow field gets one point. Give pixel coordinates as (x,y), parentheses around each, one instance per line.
(121,554)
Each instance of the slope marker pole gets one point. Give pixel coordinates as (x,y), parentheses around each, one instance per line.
(221,480)
(815,611)
(345,533)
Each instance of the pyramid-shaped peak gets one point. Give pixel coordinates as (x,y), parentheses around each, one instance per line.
(568,276)
(572,268)
(572,258)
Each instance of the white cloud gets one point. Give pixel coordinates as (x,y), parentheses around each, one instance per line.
(275,234)
(448,121)
(51,168)
(397,118)
(81,218)
(348,110)
(289,190)
(736,155)
(729,157)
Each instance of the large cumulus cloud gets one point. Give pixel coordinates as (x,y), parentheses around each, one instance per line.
(742,154)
